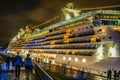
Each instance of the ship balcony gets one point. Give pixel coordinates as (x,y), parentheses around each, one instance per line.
(82,29)
(70,52)
(70,46)
(83,39)
(40,37)
(54,37)
(86,39)
(72,35)
(61,37)
(36,41)
(59,32)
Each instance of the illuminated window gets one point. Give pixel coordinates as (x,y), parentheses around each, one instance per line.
(103,31)
(67,52)
(93,39)
(73,52)
(114,17)
(107,17)
(75,29)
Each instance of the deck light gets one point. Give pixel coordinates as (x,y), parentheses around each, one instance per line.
(84,60)
(69,58)
(76,59)
(64,58)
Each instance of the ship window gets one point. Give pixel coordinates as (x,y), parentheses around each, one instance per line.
(96,23)
(110,37)
(76,29)
(90,26)
(106,22)
(103,45)
(111,23)
(99,30)
(100,22)
(50,30)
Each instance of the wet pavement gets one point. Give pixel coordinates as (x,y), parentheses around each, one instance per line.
(73,73)
(10,74)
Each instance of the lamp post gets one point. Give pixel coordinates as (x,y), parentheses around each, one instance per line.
(64,67)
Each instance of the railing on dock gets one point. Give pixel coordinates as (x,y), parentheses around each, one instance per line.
(41,74)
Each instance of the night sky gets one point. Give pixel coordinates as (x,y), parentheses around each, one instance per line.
(15,14)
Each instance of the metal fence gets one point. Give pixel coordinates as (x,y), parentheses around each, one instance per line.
(41,74)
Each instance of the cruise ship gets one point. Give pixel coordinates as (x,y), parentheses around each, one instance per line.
(83,39)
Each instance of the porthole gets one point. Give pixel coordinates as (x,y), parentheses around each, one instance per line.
(110,37)
(90,26)
(103,38)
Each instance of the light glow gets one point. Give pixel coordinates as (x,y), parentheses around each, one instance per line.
(103,31)
(64,58)
(67,17)
(100,52)
(69,58)
(83,60)
(112,52)
(76,59)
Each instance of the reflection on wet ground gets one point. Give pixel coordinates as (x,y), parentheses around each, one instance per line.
(10,75)
(5,75)
(73,73)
